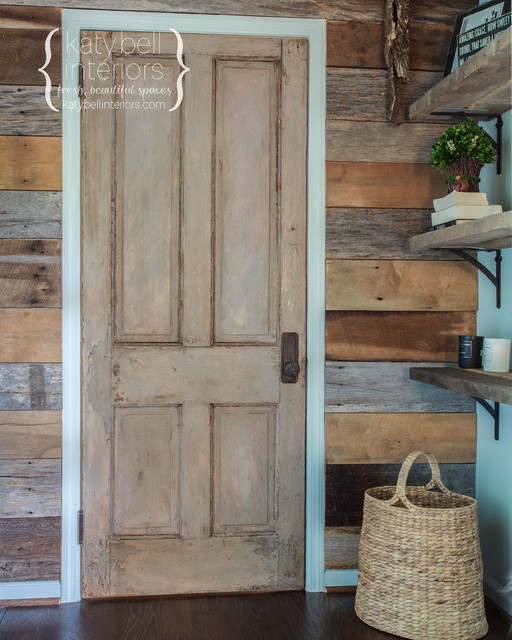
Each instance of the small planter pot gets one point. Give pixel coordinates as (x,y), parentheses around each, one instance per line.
(463,175)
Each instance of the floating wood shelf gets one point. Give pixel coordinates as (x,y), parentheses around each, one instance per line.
(471,382)
(489,234)
(482,82)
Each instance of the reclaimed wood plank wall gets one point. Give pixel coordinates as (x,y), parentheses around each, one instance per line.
(386,307)
(30,301)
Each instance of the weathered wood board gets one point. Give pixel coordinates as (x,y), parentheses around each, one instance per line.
(353,141)
(30,387)
(30,163)
(396,336)
(22,52)
(345,485)
(434,11)
(25,112)
(385,387)
(30,434)
(377,233)
(382,185)
(361,45)
(17,17)
(30,335)
(387,438)
(30,549)
(400,285)
(30,214)
(360,94)
(30,488)
(341,547)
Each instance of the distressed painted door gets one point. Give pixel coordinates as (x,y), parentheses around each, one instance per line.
(193,265)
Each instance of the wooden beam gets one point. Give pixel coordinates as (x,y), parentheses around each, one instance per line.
(30,434)
(400,285)
(23,52)
(30,386)
(345,485)
(382,185)
(30,163)
(30,335)
(25,112)
(30,214)
(396,336)
(341,547)
(30,488)
(387,438)
(30,549)
(385,387)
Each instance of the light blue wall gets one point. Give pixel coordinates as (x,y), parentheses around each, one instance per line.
(494,458)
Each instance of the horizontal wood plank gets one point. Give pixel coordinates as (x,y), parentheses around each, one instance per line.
(381,387)
(30,163)
(361,45)
(22,52)
(396,336)
(28,17)
(361,94)
(354,141)
(30,549)
(30,434)
(382,185)
(30,335)
(30,387)
(30,214)
(341,547)
(25,112)
(30,488)
(387,438)
(345,485)
(400,285)
(30,273)
(377,233)
(434,11)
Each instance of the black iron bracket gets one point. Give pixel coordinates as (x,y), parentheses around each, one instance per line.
(494,413)
(495,279)
(462,114)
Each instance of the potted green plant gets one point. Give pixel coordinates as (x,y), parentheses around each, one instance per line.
(461,152)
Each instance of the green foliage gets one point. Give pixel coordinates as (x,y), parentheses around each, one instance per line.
(467,140)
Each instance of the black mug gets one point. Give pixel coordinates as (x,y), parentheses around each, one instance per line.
(470,352)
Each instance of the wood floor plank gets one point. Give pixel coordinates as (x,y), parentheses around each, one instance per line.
(396,336)
(22,52)
(345,485)
(400,285)
(30,335)
(30,488)
(25,112)
(348,385)
(382,185)
(30,549)
(30,434)
(30,214)
(387,438)
(30,163)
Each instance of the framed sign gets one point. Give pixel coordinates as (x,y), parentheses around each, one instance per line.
(474,29)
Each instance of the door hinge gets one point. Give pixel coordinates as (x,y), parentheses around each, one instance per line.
(80,527)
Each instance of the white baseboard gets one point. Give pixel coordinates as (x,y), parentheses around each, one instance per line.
(341,577)
(29,590)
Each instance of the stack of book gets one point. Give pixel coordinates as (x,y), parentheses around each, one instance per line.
(461,206)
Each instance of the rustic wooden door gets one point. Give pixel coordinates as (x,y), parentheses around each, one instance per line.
(193,265)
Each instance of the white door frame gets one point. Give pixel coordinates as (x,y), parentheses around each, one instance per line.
(73,21)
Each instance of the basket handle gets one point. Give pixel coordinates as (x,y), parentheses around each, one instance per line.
(401,483)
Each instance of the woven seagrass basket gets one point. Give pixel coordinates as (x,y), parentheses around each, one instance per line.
(420,566)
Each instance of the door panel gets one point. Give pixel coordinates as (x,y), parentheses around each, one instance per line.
(194,263)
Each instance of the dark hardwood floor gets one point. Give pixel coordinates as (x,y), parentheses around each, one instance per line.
(283,616)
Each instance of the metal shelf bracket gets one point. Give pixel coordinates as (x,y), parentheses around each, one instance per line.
(495,279)
(494,413)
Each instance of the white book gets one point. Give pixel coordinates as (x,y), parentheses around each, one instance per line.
(460,197)
(461,212)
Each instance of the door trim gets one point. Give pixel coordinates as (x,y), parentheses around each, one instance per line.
(73,21)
